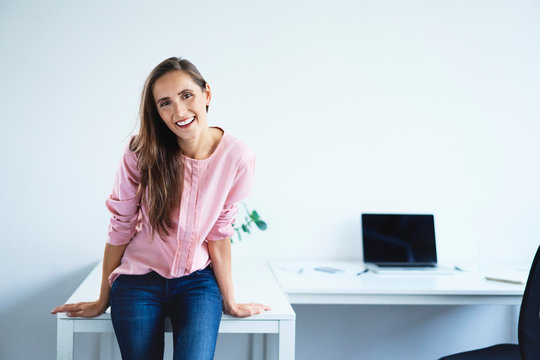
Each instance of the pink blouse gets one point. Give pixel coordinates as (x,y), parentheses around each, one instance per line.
(212,189)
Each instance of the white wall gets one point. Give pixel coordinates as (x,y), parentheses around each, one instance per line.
(350,106)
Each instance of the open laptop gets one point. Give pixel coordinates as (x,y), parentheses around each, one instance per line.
(400,243)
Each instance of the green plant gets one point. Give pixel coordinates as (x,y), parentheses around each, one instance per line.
(251,217)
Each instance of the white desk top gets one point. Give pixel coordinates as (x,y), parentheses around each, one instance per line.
(305,285)
(253,282)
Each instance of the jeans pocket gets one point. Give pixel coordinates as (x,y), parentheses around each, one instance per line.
(206,277)
(116,283)
(206,271)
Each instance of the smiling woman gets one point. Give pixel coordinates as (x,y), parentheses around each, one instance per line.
(173,205)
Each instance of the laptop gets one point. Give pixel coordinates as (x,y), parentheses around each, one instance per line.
(400,243)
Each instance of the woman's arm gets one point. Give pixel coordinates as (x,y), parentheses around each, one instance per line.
(220,254)
(111,260)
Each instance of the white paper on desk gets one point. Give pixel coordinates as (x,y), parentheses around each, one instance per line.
(511,276)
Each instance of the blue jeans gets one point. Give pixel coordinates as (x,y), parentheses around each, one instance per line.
(140,303)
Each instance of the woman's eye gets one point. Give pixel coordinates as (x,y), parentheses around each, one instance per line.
(164,103)
(187,96)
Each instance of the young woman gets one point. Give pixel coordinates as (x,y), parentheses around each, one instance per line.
(173,205)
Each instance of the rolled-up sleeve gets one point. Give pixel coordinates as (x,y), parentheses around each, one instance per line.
(240,189)
(123,203)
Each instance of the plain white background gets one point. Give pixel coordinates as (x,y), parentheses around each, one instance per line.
(350,107)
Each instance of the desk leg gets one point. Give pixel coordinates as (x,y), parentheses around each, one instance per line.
(64,339)
(257,346)
(515,309)
(106,341)
(286,339)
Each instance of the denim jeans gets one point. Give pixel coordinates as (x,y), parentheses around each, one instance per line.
(140,303)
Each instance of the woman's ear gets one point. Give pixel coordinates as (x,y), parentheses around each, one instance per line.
(208,94)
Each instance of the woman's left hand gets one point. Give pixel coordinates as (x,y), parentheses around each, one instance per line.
(245,310)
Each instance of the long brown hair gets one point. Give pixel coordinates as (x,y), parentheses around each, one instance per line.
(158,153)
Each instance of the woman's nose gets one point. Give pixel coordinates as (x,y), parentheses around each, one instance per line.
(179,109)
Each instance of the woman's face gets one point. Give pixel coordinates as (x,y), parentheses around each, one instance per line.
(181,104)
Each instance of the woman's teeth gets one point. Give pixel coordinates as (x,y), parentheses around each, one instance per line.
(185,122)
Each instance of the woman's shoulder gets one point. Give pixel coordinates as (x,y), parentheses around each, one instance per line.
(130,147)
(129,154)
(236,148)
(235,143)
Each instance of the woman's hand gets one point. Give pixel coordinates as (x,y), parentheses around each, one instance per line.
(245,310)
(82,309)
(111,260)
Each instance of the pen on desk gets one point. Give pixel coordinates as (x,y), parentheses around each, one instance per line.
(362,272)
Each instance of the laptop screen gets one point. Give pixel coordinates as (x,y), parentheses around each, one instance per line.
(399,239)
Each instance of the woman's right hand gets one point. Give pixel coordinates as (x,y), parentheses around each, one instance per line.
(82,309)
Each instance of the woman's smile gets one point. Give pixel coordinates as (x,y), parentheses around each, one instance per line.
(186,122)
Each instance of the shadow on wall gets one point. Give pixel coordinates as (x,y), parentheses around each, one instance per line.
(27,329)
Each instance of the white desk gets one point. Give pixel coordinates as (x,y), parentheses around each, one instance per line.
(253,283)
(304,285)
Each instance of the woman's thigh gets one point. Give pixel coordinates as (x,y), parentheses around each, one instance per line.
(138,316)
(195,313)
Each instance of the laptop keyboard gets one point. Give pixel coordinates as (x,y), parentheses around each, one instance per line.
(406,265)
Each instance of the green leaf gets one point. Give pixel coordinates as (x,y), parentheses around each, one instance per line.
(239,235)
(255,215)
(260,224)
(245,228)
